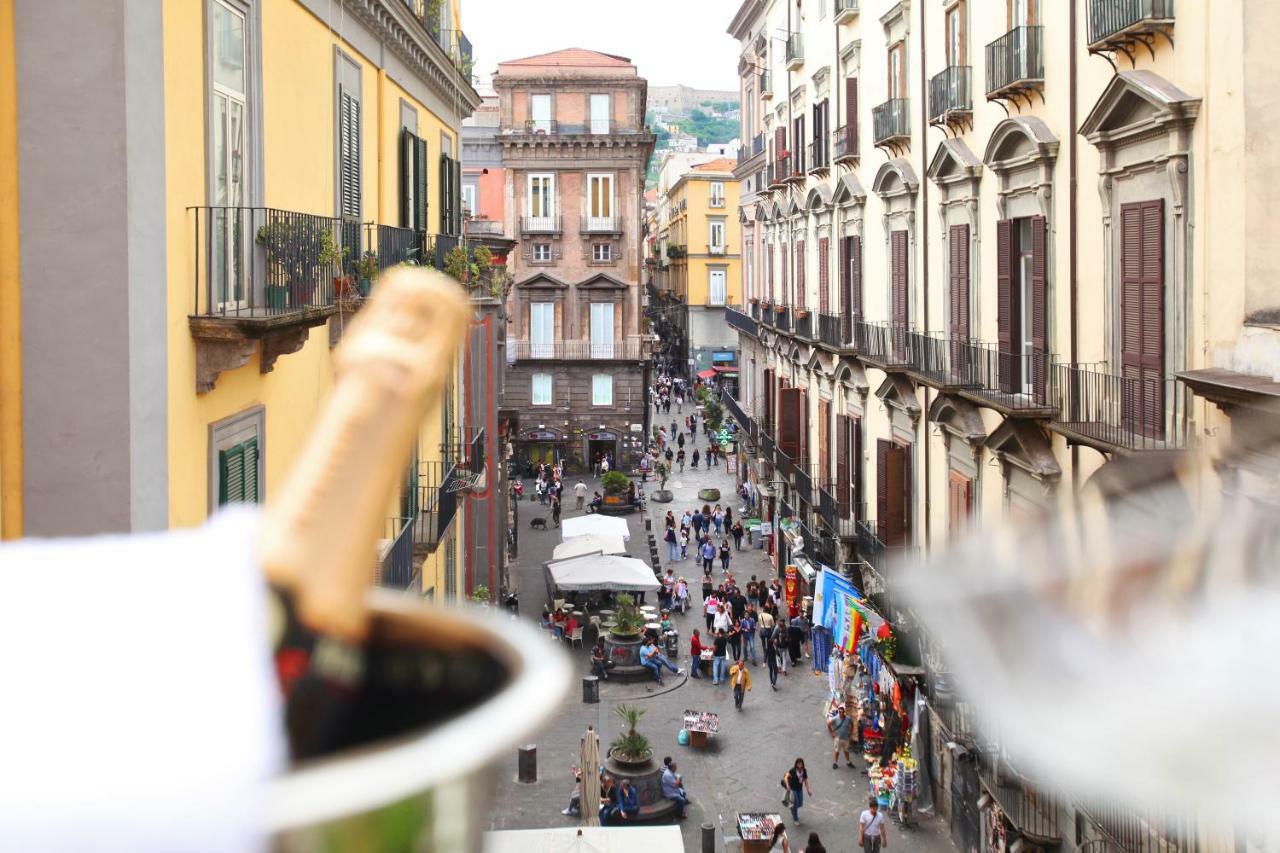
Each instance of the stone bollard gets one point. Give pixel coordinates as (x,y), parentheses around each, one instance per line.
(708,838)
(591,689)
(528,764)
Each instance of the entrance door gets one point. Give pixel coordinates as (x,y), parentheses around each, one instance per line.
(230,229)
(597,449)
(542,452)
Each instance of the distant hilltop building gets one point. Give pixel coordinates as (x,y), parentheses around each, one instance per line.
(684,99)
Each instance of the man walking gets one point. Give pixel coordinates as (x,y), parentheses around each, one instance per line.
(873,833)
(708,553)
(841,728)
(740,678)
(580,492)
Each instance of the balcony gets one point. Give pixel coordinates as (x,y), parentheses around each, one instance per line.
(779,171)
(716,202)
(437,249)
(395,564)
(1015,65)
(832,331)
(262,279)
(766,86)
(1012,383)
(752,148)
(1119,414)
(766,313)
(891,124)
(742,322)
(601,225)
(540,225)
(803,483)
(575,351)
(391,245)
(1128,829)
(846,10)
(819,155)
(736,412)
(676,251)
(886,344)
(795,51)
(782,318)
(844,141)
(438,485)
(940,360)
(950,97)
(537,127)
(796,171)
(1121,24)
(717,250)
(804,325)
(480,227)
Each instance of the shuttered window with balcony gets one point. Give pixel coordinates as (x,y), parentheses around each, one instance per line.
(958,297)
(898,277)
(792,422)
(1022,304)
(851,115)
(238,473)
(349,153)
(413,181)
(1142,316)
(450,195)
(893,492)
(824,274)
(800,301)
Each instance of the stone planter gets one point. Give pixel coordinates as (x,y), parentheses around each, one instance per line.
(646,777)
(624,651)
(662,496)
(708,494)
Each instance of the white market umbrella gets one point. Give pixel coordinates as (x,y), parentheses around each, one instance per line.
(601,525)
(591,543)
(589,802)
(604,573)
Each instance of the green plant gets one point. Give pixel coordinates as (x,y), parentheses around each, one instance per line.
(456,264)
(298,247)
(713,412)
(480,594)
(627,619)
(631,743)
(614,482)
(367,266)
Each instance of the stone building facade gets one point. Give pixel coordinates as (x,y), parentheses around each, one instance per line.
(574,150)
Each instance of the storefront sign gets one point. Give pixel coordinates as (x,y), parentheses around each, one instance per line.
(637,427)
(791,586)
(766,528)
(540,435)
(723,356)
(602,436)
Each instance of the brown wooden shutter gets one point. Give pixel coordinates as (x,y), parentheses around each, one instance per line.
(855,468)
(784,292)
(824,275)
(842,465)
(802,417)
(882,484)
(898,278)
(856,274)
(789,422)
(821,459)
(799,301)
(908,508)
(768,272)
(1039,307)
(851,115)
(1006,307)
(959,246)
(1142,317)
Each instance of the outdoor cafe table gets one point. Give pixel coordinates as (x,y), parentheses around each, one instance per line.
(700,725)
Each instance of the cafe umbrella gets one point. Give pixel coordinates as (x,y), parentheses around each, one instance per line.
(590,764)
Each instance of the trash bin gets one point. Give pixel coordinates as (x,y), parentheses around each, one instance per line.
(672,642)
(591,689)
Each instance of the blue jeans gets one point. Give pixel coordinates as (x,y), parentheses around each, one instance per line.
(681,802)
(656,663)
(673,552)
(719,669)
(719,527)
(749,646)
(797,800)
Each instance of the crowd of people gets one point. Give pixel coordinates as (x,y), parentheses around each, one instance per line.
(620,801)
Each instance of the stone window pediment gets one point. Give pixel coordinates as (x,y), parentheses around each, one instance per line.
(1136,103)
(953,162)
(898,392)
(895,178)
(819,198)
(849,191)
(1025,445)
(602,281)
(958,417)
(541,281)
(1019,141)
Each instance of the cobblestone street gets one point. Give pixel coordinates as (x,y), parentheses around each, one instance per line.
(741,768)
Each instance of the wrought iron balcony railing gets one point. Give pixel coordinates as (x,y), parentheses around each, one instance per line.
(1127,413)
(574,351)
(804,325)
(940,359)
(782,318)
(795,51)
(1142,831)
(891,122)
(1017,381)
(741,321)
(1015,62)
(844,140)
(395,569)
(831,331)
(886,343)
(950,93)
(601,224)
(439,484)
(766,85)
(819,154)
(1120,20)
(540,225)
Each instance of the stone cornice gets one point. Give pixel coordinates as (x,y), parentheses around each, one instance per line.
(391,21)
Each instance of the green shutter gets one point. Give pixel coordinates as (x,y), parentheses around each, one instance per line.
(349,154)
(457,197)
(407,180)
(446,195)
(231,475)
(420,175)
(252,492)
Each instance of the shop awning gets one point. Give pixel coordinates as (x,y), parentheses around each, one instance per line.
(602,525)
(707,374)
(591,543)
(720,368)
(602,572)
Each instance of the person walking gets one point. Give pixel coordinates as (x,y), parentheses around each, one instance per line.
(814,845)
(740,678)
(684,543)
(734,635)
(695,655)
(580,493)
(555,510)
(708,554)
(717,519)
(841,728)
(737,532)
(796,781)
(680,441)
(710,606)
(747,631)
(673,551)
(724,556)
(795,637)
(873,830)
(780,840)
(720,660)
(771,655)
(694,461)
(680,459)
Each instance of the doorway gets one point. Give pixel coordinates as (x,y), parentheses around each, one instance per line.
(540,452)
(598,447)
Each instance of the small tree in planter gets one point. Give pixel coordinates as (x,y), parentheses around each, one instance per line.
(631,747)
(627,621)
(615,482)
(662,470)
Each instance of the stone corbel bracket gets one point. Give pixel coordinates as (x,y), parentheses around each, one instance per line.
(226,343)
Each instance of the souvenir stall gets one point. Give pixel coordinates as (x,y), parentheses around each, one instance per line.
(700,725)
(756,831)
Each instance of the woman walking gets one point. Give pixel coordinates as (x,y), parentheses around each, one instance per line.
(771,655)
(694,462)
(717,518)
(673,551)
(724,556)
(796,781)
(737,532)
(710,604)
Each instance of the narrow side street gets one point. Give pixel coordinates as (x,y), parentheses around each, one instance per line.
(742,765)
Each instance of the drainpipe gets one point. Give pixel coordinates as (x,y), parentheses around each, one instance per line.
(924,254)
(1072,236)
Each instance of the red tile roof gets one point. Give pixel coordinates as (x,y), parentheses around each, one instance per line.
(724,164)
(573,56)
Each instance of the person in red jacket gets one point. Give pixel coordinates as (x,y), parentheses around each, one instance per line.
(695,655)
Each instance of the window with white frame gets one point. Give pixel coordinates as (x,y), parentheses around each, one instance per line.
(229,150)
(542,251)
(540,113)
(717,193)
(599,113)
(542,329)
(602,330)
(600,202)
(715,237)
(541,393)
(601,252)
(540,205)
(602,390)
(469,200)
(716,287)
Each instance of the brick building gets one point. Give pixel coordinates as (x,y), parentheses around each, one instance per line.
(574,152)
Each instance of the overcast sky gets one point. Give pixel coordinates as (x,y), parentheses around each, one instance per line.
(670,41)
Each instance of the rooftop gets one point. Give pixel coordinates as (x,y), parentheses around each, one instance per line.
(575,57)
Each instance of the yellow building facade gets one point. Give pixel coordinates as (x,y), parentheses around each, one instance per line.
(237,163)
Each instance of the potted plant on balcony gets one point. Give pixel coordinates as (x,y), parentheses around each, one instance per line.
(366,272)
(293,248)
(334,257)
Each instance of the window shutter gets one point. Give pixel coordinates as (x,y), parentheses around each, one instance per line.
(789,422)
(251,485)
(802,419)
(800,284)
(1006,307)
(959,246)
(904,530)
(895,493)
(784,294)
(824,274)
(408,183)
(1039,307)
(421,203)
(456,202)
(842,465)
(1142,313)
(855,467)
(231,475)
(851,115)
(768,272)
(882,485)
(898,246)
(779,143)
(767,382)
(348,154)
(822,459)
(446,195)
(856,272)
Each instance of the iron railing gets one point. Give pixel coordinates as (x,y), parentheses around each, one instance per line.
(766,84)
(392,245)
(781,168)
(438,488)
(891,121)
(395,569)
(735,410)
(1015,60)
(939,359)
(575,351)
(755,310)
(795,49)
(845,9)
(844,140)
(1032,808)
(262,262)
(819,153)
(1141,832)
(601,224)
(950,92)
(1108,18)
(831,331)
(802,482)
(439,247)
(804,325)
(782,318)
(1017,381)
(487,227)
(885,342)
(722,249)
(767,312)
(1125,412)
(740,321)
(540,224)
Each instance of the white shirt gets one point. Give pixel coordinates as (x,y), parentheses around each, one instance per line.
(721,622)
(871,824)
